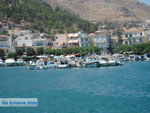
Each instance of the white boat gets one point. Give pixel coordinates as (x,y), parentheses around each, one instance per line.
(1,63)
(40,65)
(120,61)
(133,57)
(112,62)
(147,57)
(20,62)
(51,64)
(81,63)
(31,66)
(103,62)
(10,62)
(62,65)
(72,63)
(91,63)
(142,57)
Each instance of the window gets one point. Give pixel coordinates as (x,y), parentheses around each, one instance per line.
(126,35)
(126,42)
(130,35)
(140,39)
(134,40)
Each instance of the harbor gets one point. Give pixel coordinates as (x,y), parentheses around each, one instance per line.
(80,90)
(73,61)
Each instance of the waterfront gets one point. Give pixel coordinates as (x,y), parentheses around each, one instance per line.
(122,89)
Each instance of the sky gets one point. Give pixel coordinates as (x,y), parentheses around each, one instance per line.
(146,1)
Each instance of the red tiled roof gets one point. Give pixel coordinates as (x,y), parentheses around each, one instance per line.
(134,29)
(91,34)
(3,36)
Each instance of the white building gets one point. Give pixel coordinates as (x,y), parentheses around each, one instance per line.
(133,36)
(33,40)
(5,43)
(84,40)
(102,41)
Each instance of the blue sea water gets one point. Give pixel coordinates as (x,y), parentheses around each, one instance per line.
(122,89)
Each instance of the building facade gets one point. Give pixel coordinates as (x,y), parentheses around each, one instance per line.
(84,40)
(133,36)
(73,40)
(61,41)
(5,43)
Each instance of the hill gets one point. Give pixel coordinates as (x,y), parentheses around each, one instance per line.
(100,10)
(37,15)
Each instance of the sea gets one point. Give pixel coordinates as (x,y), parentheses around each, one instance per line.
(120,89)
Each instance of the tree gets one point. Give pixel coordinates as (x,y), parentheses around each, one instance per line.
(12,55)
(2,53)
(19,51)
(122,48)
(4,32)
(30,52)
(40,51)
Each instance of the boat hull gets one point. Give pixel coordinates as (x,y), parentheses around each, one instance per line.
(10,64)
(103,64)
(93,64)
(31,67)
(1,64)
(112,64)
(20,64)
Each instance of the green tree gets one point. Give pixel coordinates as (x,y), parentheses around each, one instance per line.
(30,52)
(40,51)
(19,51)
(4,32)
(122,48)
(2,53)
(12,55)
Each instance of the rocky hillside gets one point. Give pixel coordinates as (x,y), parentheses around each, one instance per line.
(98,10)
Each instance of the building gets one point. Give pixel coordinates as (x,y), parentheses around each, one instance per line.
(102,40)
(148,37)
(73,40)
(133,36)
(61,41)
(84,40)
(5,43)
(33,40)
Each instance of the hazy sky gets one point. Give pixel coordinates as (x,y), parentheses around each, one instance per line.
(146,1)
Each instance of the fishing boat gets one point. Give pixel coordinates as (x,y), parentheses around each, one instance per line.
(147,57)
(91,63)
(31,66)
(61,65)
(51,64)
(120,61)
(103,62)
(72,63)
(81,63)
(1,63)
(20,62)
(142,57)
(40,65)
(112,62)
(10,62)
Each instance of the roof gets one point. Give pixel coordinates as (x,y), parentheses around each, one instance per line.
(91,34)
(73,35)
(133,29)
(3,36)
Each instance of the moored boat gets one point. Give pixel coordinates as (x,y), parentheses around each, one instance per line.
(20,62)
(62,65)
(1,63)
(112,62)
(10,62)
(91,63)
